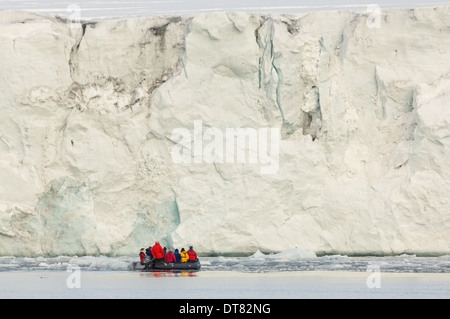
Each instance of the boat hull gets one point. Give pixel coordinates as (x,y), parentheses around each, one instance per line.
(147,266)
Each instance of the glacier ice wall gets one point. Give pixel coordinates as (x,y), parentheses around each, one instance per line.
(87,113)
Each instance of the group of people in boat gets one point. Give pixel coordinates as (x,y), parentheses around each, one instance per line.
(159,254)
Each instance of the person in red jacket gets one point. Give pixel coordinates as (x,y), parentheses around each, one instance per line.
(170,257)
(158,253)
(142,256)
(192,255)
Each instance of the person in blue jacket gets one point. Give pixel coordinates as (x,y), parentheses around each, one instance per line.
(177,256)
(148,252)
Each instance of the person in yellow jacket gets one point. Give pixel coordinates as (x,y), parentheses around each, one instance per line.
(184,255)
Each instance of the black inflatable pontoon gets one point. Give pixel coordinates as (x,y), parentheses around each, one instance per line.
(177,266)
(165,266)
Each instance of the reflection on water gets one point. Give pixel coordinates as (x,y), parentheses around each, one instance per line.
(168,273)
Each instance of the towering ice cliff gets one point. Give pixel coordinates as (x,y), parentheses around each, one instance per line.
(91,116)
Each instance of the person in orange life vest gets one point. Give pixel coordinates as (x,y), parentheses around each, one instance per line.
(169,257)
(192,255)
(142,255)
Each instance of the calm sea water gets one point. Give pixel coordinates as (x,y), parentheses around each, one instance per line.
(254,277)
(221,285)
